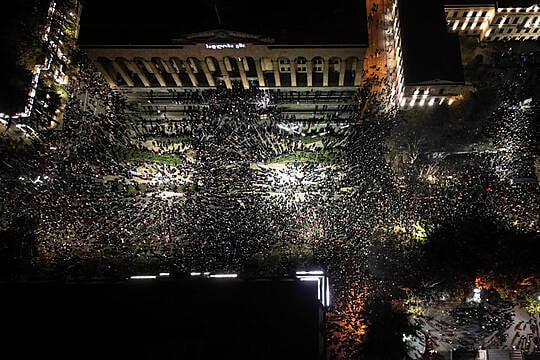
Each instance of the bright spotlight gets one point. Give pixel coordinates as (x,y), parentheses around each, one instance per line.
(221,276)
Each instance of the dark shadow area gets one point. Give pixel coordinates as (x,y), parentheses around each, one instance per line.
(384,337)
(14,78)
(460,250)
(17,248)
(141,319)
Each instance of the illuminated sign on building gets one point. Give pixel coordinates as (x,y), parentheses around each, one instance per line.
(225,46)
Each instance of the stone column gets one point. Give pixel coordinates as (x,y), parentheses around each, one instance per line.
(132,65)
(293,72)
(225,73)
(190,73)
(168,66)
(260,75)
(277,79)
(129,81)
(157,74)
(112,82)
(207,73)
(240,64)
(325,72)
(341,72)
(178,63)
(309,72)
(358,73)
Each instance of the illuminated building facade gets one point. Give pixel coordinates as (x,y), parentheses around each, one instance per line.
(494,20)
(311,73)
(426,75)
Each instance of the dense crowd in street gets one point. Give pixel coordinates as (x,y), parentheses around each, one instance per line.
(235,199)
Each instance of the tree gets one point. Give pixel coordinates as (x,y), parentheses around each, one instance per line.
(31,50)
(388,325)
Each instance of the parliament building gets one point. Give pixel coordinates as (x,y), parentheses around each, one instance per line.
(311,65)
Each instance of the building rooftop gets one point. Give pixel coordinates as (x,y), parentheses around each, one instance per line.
(157,22)
(155,319)
(430,53)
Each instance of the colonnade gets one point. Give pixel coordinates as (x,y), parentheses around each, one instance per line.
(207,72)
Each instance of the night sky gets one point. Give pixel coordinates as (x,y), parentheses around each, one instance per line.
(159,21)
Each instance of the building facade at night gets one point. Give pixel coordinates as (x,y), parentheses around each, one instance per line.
(493,20)
(302,78)
(312,73)
(426,75)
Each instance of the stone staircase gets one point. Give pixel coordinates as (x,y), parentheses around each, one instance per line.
(516,355)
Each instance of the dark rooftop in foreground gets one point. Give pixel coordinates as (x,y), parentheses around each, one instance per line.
(154,319)
(429,51)
(157,22)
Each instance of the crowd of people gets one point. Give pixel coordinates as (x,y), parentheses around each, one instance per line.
(238,187)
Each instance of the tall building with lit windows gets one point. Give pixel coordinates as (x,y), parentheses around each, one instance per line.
(428,57)
(493,20)
(309,58)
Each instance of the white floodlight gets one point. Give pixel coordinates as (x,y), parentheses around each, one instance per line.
(312,272)
(141,277)
(310,278)
(327,292)
(221,276)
